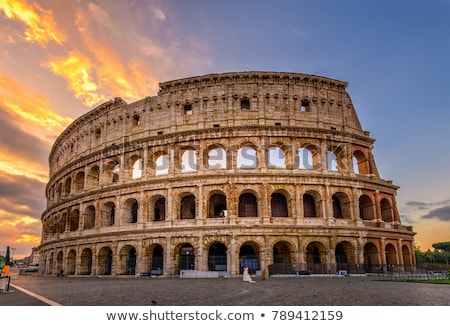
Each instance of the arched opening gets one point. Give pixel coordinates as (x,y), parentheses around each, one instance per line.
(371,258)
(246,158)
(74,220)
(407,262)
(86,262)
(93,176)
(386,210)
(157,263)
(137,168)
(391,257)
(309,206)
(162,164)
(282,260)
(188,160)
(187,209)
(341,205)
(217,159)
(70,263)
(360,163)
(50,263)
(159,209)
(345,257)
(128,260)
(79,182)
(131,210)
(62,223)
(59,261)
(67,186)
(305,157)
(366,208)
(89,217)
(279,205)
(218,205)
(109,213)
(248,205)
(276,158)
(217,257)
(105,258)
(315,258)
(332,163)
(249,255)
(187,257)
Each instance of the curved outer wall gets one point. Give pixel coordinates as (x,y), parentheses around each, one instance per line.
(123,199)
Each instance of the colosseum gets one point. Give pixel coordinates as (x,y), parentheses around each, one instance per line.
(267,169)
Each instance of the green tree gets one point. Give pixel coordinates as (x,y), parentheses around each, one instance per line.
(445,247)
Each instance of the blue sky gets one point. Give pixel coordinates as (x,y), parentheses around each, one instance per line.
(62,58)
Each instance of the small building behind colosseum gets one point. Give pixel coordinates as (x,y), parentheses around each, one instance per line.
(267,169)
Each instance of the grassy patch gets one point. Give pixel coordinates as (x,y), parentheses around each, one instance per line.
(429,281)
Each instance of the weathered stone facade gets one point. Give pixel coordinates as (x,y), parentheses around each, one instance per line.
(261,168)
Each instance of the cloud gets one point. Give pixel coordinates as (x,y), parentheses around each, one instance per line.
(442,214)
(40,26)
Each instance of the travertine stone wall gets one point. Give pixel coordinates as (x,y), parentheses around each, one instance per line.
(261,168)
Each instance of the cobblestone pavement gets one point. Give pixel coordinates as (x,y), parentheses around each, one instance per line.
(289,291)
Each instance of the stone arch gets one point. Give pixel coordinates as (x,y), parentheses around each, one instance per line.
(283,262)
(68,186)
(51,260)
(71,262)
(279,204)
(217,257)
(137,166)
(127,260)
(391,257)
(93,177)
(342,207)
(387,214)
(188,159)
(74,220)
(154,259)
(248,204)
(407,260)
(247,156)
(187,206)
(217,204)
(366,209)
(59,261)
(360,163)
(277,156)
(112,169)
(344,254)
(185,256)
(130,211)
(371,258)
(108,213)
(312,204)
(215,157)
(316,257)
(249,254)
(161,163)
(78,183)
(86,262)
(89,217)
(309,157)
(105,261)
(157,207)
(62,220)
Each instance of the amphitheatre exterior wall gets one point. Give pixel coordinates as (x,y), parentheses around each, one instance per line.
(268,169)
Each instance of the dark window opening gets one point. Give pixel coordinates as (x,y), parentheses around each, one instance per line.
(337,209)
(245,104)
(279,205)
(188,109)
(309,206)
(277,123)
(304,106)
(134,212)
(160,132)
(136,120)
(248,206)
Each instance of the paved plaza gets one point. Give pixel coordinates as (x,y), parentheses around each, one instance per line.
(286,291)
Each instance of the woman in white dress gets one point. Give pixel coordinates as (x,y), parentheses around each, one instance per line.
(246,275)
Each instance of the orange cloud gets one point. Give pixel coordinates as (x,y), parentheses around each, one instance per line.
(41,27)
(30,109)
(77,70)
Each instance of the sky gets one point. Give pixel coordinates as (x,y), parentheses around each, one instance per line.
(60,59)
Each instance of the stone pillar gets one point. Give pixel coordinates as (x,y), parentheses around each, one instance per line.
(383,254)
(400,256)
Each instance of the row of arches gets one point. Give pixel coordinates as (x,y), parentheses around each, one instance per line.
(248,204)
(280,258)
(216,157)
